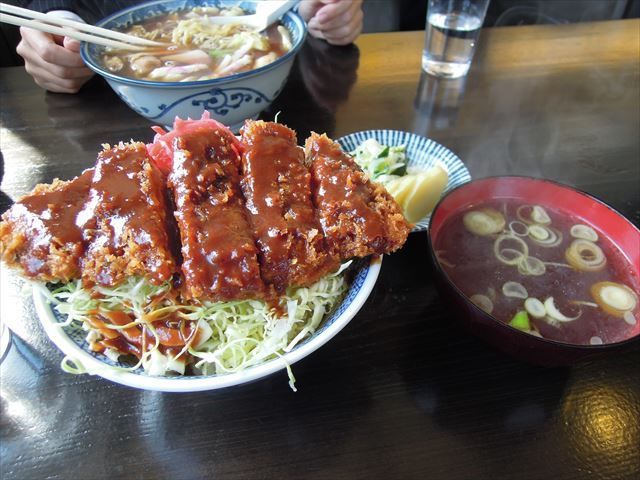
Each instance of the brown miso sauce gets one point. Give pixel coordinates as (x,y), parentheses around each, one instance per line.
(172,333)
(49,219)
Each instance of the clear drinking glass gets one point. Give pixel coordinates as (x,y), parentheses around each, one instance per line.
(452,31)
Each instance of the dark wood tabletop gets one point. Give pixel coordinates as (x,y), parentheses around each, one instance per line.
(399,393)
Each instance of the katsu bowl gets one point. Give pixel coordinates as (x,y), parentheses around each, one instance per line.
(540,270)
(202,259)
(231,71)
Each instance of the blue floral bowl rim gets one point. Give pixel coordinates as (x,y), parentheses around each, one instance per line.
(93,65)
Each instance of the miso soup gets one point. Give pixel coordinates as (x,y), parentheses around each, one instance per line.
(541,270)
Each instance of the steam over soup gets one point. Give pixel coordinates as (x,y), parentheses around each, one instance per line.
(542,271)
(197,49)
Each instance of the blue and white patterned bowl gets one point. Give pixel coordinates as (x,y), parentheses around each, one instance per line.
(230,99)
(71,341)
(421,152)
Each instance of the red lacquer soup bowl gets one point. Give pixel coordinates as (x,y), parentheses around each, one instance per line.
(549,339)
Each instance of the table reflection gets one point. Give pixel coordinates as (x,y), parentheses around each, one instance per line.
(601,422)
(437,103)
(321,80)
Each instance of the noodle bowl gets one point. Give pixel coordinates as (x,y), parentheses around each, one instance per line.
(199,71)
(199,49)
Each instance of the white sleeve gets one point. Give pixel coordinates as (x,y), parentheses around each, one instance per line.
(66,14)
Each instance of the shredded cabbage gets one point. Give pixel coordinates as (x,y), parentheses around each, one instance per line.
(381,162)
(200,33)
(232,336)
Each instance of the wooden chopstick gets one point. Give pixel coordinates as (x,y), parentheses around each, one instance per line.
(55,25)
(67,32)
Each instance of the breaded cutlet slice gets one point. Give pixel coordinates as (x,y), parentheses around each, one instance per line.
(39,235)
(358,217)
(219,255)
(125,219)
(277,189)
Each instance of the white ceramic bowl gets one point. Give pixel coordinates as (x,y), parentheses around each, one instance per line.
(71,341)
(230,100)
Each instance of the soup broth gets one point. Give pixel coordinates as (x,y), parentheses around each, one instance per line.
(196,48)
(542,271)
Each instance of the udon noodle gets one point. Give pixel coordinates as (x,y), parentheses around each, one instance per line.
(199,49)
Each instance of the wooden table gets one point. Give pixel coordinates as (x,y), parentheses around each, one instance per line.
(398,393)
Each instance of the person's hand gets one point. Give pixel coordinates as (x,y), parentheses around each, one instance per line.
(339,22)
(53,61)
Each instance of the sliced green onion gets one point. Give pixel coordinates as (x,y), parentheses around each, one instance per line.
(484,222)
(521,321)
(483,302)
(557,264)
(537,215)
(499,252)
(538,232)
(510,256)
(514,290)
(614,298)
(585,232)
(620,298)
(518,228)
(535,307)
(585,256)
(540,215)
(586,304)
(629,317)
(545,236)
(554,313)
(443,261)
(522,216)
(531,266)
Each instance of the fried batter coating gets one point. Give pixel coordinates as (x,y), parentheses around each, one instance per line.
(38,234)
(254,217)
(219,254)
(125,219)
(358,217)
(277,188)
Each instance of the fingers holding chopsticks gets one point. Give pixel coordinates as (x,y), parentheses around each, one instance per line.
(50,46)
(339,22)
(54,62)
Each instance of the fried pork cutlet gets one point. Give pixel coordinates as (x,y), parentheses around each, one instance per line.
(277,188)
(39,235)
(125,220)
(219,254)
(358,217)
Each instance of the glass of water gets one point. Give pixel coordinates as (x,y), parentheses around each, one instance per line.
(452,31)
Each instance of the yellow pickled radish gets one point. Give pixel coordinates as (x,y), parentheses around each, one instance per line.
(400,187)
(426,192)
